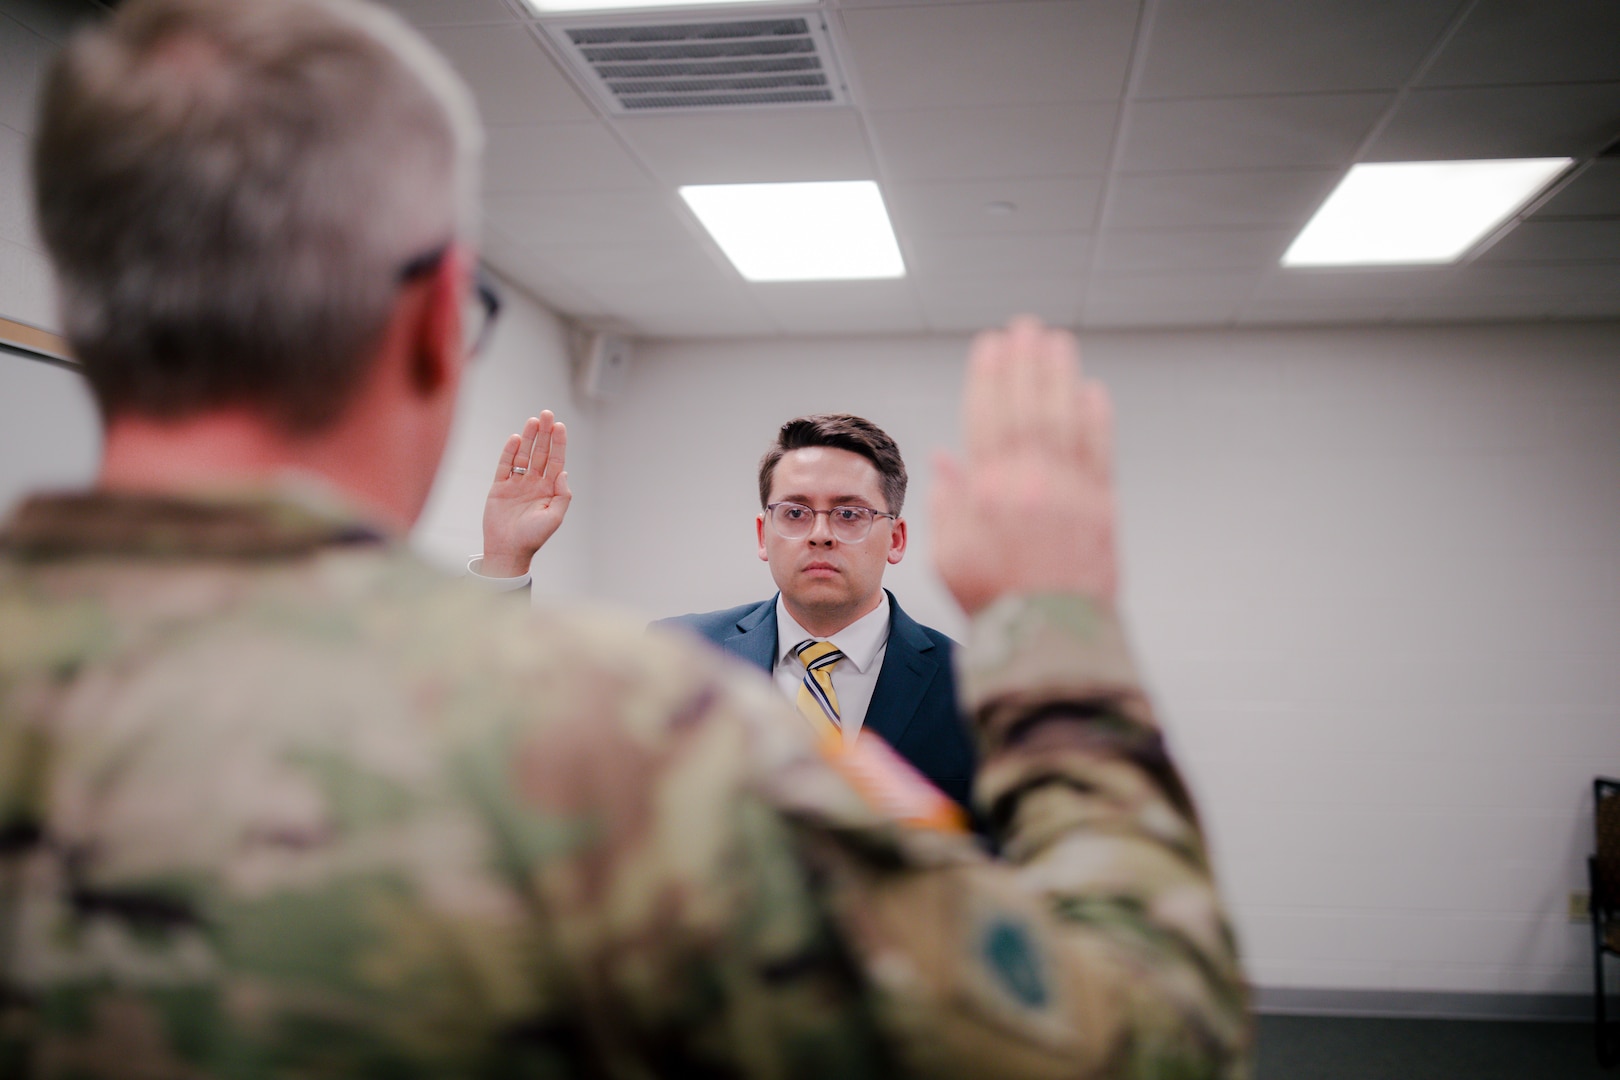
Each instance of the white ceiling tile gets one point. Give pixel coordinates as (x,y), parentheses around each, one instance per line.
(1065,204)
(993,254)
(1593,192)
(1596,307)
(1369,283)
(557,293)
(1126,251)
(559,157)
(1564,282)
(1510,41)
(840,307)
(1164,307)
(858,4)
(453,12)
(751,146)
(1557,241)
(990,54)
(1216,199)
(1274,311)
(958,305)
(1157,314)
(577,217)
(1212,189)
(601,268)
(1523,291)
(1248,132)
(1283,46)
(1209,294)
(1011,141)
(686,324)
(1498,122)
(691,310)
(1475,309)
(513,78)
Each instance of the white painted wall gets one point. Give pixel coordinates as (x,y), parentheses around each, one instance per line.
(1374,576)
(50,437)
(679,453)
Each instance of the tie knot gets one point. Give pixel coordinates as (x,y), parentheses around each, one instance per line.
(817,654)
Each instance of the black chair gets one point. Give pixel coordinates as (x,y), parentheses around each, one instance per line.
(1603,871)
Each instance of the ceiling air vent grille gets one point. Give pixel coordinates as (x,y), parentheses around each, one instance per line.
(646,67)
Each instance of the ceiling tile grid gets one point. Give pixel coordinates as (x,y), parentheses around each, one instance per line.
(1008,53)
(1199,49)
(965,305)
(999,142)
(1098,162)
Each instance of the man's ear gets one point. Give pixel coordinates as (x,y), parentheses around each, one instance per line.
(759,536)
(435,331)
(897,541)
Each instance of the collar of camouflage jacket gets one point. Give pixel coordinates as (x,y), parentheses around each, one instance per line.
(285,520)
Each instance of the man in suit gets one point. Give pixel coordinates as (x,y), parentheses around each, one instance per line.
(831,489)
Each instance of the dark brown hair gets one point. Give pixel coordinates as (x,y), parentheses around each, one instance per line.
(843,432)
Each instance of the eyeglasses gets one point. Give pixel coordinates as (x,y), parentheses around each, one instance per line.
(478,311)
(849,524)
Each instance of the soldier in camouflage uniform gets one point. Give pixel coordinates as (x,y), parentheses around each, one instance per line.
(278,801)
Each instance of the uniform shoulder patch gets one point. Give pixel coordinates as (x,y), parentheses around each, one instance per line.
(1011,956)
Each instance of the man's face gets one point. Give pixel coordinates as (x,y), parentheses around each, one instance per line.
(823,579)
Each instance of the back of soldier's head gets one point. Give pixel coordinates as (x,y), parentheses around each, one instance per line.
(230,189)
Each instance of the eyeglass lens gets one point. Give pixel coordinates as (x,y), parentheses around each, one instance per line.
(850,524)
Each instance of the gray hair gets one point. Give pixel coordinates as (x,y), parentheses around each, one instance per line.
(229,190)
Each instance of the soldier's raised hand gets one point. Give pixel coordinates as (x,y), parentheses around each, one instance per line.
(1030,508)
(529,497)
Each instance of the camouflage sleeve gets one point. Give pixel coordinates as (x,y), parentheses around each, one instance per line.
(741,910)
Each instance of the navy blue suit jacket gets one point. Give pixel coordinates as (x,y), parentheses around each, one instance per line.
(913,704)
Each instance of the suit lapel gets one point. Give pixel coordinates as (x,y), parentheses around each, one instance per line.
(755,637)
(908,667)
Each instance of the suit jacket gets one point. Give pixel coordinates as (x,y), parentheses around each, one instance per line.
(913,704)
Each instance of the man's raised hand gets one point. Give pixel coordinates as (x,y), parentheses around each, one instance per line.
(1031,506)
(529,498)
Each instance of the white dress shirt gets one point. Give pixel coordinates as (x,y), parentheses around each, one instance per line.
(475,566)
(863,643)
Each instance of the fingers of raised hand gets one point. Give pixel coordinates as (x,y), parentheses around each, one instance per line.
(503,464)
(555,454)
(985,408)
(1022,390)
(525,454)
(1095,417)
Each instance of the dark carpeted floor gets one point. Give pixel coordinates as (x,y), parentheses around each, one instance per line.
(1339,1048)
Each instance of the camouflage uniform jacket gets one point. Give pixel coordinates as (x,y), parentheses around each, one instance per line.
(277,800)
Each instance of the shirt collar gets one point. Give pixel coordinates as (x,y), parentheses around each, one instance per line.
(860,641)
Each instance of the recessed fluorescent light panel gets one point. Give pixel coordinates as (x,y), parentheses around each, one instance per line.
(800,232)
(1411,212)
(552,7)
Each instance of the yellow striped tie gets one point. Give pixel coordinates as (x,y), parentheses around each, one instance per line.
(818,701)
(889,784)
